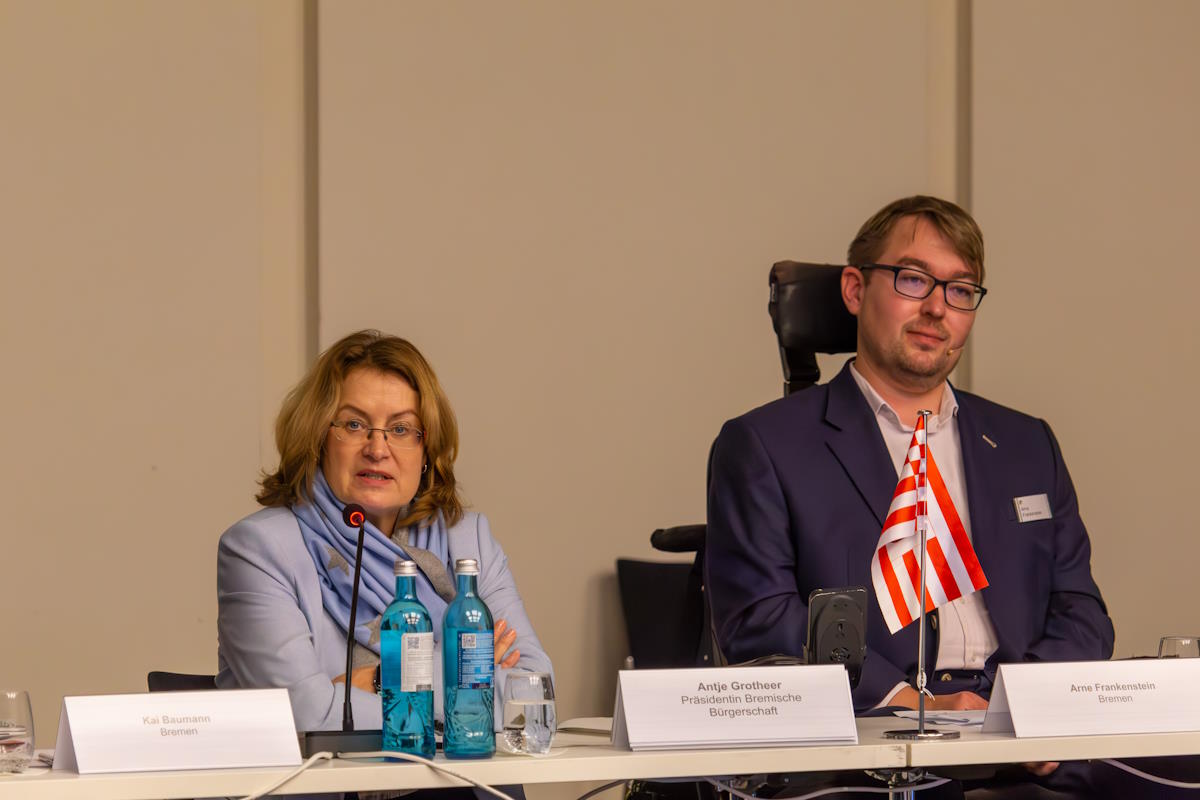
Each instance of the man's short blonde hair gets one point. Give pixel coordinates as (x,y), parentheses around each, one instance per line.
(950,220)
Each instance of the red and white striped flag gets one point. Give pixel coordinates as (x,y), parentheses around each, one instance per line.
(951,570)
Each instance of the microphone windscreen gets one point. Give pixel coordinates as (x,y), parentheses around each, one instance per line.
(354,515)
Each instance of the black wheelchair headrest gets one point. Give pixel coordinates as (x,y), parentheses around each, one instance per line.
(809,317)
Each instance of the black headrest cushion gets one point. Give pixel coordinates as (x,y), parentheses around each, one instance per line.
(807,310)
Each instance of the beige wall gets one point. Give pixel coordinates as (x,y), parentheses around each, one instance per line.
(151,221)
(1086,183)
(571,209)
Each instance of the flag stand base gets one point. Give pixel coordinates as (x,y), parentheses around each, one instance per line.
(927,735)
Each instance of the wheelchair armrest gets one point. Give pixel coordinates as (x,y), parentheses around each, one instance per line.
(680,539)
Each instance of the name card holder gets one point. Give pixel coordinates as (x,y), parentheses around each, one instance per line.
(176,730)
(665,709)
(1085,698)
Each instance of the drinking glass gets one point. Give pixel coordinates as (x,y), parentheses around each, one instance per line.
(529,721)
(1179,647)
(16,731)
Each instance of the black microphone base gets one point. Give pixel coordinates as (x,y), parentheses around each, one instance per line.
(340,742)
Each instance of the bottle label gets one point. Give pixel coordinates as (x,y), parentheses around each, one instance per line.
(475,664)
(416,666)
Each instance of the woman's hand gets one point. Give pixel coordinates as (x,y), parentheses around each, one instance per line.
(502,639)
(360,678)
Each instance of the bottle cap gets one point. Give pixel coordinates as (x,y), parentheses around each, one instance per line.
(405,567)
(466,566)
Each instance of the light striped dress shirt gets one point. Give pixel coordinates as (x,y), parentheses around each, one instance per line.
(966,636)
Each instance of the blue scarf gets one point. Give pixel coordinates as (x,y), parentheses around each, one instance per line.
(332,543)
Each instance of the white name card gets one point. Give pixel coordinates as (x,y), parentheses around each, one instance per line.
(662,709)
(1082,698)
(176,730)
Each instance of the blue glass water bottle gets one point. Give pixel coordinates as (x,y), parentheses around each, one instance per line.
(469,669)
(406,669)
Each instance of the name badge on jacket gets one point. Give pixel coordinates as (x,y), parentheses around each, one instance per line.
(1032,507)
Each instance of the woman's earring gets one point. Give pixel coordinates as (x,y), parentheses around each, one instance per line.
(424,467)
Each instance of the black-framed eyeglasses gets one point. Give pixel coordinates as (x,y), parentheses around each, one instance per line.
(400,436)
(918,284)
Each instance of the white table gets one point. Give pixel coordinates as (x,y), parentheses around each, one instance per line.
(976,748)
(603,763)
(994,748)
(573,764)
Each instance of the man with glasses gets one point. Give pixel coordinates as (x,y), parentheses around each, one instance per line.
(799,488)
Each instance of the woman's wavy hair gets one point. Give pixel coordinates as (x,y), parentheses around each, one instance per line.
(303,425)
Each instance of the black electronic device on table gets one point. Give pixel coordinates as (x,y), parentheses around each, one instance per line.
(837,629)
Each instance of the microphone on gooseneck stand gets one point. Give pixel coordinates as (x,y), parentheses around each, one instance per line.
(347,740)
(354,516)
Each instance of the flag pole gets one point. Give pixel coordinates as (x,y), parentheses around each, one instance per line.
(922,733)
(923,526)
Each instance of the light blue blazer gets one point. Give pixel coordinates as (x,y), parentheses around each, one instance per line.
(272,629)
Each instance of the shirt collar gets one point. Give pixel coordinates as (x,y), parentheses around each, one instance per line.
(881,409)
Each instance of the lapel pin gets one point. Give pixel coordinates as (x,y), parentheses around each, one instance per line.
(989,441)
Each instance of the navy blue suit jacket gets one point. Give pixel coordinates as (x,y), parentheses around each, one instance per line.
(798,491)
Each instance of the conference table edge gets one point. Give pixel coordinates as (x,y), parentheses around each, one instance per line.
(601,763)
(596,763)
(976,748)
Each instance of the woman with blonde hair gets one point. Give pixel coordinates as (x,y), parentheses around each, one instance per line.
(369,424)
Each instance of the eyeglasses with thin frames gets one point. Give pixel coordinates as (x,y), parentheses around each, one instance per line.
(918,284)
(398,436)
